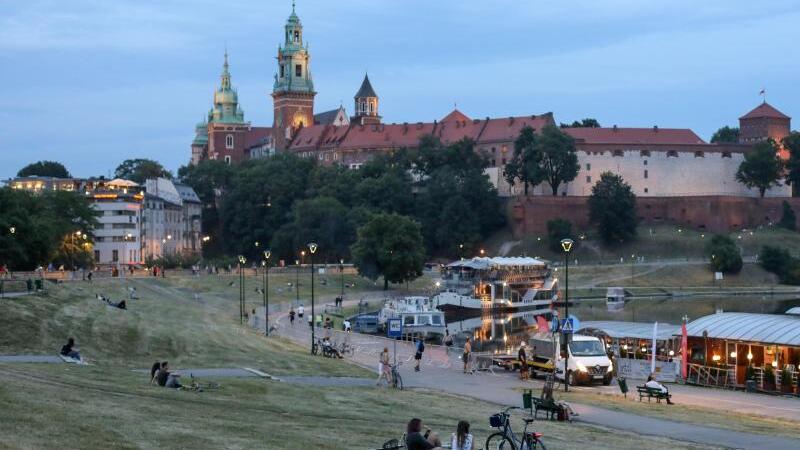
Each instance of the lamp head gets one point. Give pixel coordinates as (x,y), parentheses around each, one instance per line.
(341,261)
(257,244)
(312,247)
(12,230)
(267,254)
(566,245)
(242,259)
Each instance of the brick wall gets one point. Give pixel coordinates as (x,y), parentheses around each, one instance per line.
(713,213)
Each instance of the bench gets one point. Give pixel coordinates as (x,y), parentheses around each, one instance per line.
(645,391)
(550,407)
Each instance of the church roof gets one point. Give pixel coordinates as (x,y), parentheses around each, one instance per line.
(617,135)
(327,117)
(256,136)
(764,110)
(508,128)
(455,115)
(366,89)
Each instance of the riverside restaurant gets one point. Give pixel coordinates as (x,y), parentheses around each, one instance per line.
(757,351)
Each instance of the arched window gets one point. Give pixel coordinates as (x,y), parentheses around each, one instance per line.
(618,153)
(229,141)
(227,159)
(699,154)
(672,154)
(726,154)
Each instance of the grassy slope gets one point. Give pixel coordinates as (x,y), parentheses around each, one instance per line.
(108,406)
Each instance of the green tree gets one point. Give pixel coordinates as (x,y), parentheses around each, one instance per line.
(558,229)
(776,260)
(788,218)
(792,144)
(210,179)
(761,168)
(584,123)
(559,159)
(323,220)
(725,134)
(44,169)
(612,208)
(724,254)
(389,245)
(524,165)
(391,192)
(139,170)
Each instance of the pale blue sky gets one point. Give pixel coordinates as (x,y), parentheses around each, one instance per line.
(93,82)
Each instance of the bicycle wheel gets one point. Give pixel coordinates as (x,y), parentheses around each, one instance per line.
(314,349)
(397,381)
(533,443)
(499,441)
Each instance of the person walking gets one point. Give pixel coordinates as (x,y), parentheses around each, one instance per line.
(291,316)
(465,356)
(384,369)
(418,354)
(522,357)
(300,311)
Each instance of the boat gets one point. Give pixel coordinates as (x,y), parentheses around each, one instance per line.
(500,283)
(615,299)
(418,315)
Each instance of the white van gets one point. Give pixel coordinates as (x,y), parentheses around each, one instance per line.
(588,360)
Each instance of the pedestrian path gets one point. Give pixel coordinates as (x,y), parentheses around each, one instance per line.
(330,381)
(217,372)
(442,370)
(50,359)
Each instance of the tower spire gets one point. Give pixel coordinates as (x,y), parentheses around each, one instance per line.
(226,76)
(292,6)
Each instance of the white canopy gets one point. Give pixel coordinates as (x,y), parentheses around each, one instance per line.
(636,330)
(781,329)
(498,261)
(122,183)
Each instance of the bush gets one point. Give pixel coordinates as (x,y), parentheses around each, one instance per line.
(775,260)
(724,254)
(788,219)
(786,377)
(750,373)
(557,229)
(769,375)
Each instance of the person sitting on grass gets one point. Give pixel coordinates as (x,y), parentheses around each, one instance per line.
(154,372)
(415,440)
(68,350)
(656,386)
(462,438)
(166,379)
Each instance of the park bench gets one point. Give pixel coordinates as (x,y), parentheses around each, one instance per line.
(645,391)
(550,407)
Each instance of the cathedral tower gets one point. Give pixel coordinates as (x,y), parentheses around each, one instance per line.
(226,125)
(366,104)
(293,92)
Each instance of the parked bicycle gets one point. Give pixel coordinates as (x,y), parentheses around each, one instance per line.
(506,439)
(397,380)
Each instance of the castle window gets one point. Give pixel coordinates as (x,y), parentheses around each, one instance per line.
(227,159)
(493,149)
(588,166)
(298,70)
(645,174)
(644,153)
(617,153)
(645,162)
(699,154)
(229,141)
(726,154)
(588,179)
(645,190)
(297,35)
(283,70)
(504,149)
(672,154)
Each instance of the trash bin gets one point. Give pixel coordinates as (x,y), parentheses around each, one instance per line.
(623,386)
(750,385)
(527,402)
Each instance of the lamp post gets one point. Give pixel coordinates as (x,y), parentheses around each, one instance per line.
(566,245)
(312,247)
(341,272)
(297,282)
(242,261)
(265,263)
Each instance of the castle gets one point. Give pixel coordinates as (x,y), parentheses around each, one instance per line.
(656,162)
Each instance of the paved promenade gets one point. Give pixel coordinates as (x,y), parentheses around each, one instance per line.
(442,370)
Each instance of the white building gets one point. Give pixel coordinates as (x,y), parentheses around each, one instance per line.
(171,219)
(117,236)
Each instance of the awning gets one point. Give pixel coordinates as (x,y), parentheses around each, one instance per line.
(635,330)
(780,329)
(499,261)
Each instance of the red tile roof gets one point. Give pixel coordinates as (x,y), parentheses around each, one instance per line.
(308,138)
(764,110)
(666,136)
(508,129)
(456,115)
(385,136)
(256,136)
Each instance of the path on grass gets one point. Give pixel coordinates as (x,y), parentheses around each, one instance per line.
(442,370)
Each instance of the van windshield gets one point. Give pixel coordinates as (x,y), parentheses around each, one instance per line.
(587,348)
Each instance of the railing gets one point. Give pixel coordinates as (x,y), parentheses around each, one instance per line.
(707,376)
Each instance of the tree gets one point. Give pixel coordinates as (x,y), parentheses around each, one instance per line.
(585,123)
(524,163)
(612,207)
(139,170)
(44,169)
(323,220)
(761,168)
(559,159)
(792,144)
(776,260)
(724,254)
(788,219)
(210,179)
(389,245)
(725,134)
(558,229)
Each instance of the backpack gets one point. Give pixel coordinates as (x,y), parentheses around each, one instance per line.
(420,346)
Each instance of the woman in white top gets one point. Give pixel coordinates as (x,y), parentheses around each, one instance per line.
(462,439)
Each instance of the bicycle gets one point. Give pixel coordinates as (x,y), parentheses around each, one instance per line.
(507,439)
(397,380)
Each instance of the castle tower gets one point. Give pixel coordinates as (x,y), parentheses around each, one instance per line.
(293,92)
(366,105)
(226,125)
(763,122)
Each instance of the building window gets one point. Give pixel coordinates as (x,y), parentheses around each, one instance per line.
(726,154)
(699,154)
(503,161)
(645,162)
(504,148)
(227,159)
(672,154)
(617,153)
(283,71)
(644,153)
(588,178)
(588,166)
(297,35)
(97,256)
(645,190)
(298,70)
(645,174)
(493,149)
(229,141)
(114,255)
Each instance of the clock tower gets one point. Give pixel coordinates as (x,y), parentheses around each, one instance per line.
(293,91)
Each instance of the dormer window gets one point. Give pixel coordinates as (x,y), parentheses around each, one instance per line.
(229,141)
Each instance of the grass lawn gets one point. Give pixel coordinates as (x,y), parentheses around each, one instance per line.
(107,405)
(673,276)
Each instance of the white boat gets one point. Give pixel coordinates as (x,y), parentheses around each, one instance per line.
(497,283)
(615,298)
(418,314)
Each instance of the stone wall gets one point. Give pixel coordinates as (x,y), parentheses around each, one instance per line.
(529,215)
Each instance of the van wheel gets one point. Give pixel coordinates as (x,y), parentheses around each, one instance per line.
(571,379)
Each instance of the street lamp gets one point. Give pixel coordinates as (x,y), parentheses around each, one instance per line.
(12,230)
(341,272)
(265,263)
(312,247)
(242,261)
(566,245)
(297,282)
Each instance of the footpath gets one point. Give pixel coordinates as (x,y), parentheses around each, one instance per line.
(442,370)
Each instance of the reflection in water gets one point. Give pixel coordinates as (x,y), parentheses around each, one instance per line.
(493,332)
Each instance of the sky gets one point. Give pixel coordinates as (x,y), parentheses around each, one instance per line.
(91,83)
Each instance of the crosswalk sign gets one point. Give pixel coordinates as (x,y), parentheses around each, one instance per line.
(566,326)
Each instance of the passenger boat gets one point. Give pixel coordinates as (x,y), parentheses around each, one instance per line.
(615,298)
(418,314)
(497,283)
